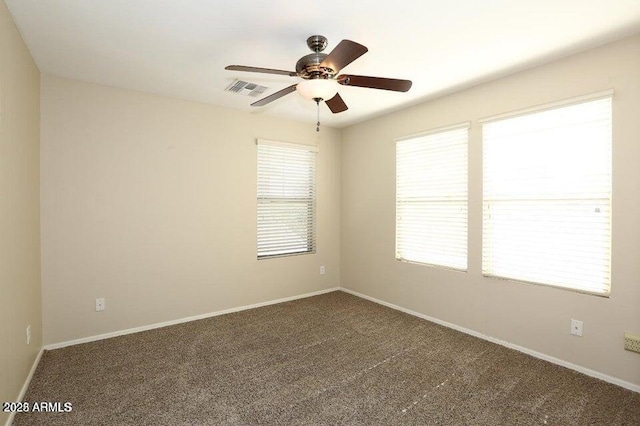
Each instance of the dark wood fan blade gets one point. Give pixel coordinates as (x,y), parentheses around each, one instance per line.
(343,54)
(262,70)
(274,96)
(336,104)
(375,82)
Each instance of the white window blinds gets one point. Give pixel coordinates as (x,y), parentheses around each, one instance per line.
(431,198)
(547,197)
(286,199)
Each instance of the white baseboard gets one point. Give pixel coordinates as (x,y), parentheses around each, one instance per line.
(182,320)
(23,391)
(540,355)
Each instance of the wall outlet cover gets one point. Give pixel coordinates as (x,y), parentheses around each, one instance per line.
(100,304)
(576,327)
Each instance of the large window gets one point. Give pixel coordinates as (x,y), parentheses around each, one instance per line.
(286,199)
(431,198)
(547,196)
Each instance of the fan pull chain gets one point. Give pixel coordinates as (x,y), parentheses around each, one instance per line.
(318,123)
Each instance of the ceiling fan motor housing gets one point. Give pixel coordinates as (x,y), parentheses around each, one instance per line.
(308,67)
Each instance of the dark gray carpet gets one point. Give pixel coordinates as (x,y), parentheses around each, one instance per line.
(333,359)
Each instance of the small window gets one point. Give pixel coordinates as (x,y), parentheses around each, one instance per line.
(431,198)
(547,197)
(286,199)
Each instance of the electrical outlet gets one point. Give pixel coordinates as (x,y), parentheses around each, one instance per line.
(632,342)
(28,334)
(100,304)
(576,327)
(322,270)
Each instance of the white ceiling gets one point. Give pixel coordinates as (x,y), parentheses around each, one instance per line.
(179,48)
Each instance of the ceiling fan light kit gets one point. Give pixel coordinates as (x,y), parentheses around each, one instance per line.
(319,73)
(321,88)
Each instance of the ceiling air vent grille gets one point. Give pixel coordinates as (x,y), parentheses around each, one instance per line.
(245,88)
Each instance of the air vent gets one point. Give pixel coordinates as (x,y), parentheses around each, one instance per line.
(245,88)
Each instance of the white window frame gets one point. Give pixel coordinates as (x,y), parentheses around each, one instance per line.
(596,283)
(281,191)
(425,191)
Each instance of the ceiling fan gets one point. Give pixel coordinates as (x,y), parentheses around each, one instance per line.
(319,72)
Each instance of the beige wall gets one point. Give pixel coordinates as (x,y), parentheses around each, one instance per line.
(150,202)
(536,317)
(20,303)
